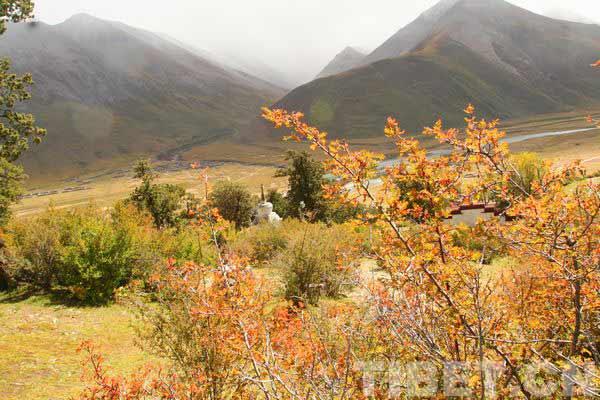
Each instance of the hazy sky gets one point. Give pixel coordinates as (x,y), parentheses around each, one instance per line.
(297,36)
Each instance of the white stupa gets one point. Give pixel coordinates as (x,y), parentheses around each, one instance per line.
(264,211)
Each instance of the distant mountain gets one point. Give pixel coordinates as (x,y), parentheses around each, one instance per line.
(507,61)
(409,37)
(239,64)
(346,60)
(258,68)
(107,92)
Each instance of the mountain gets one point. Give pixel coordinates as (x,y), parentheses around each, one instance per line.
(507,61)
(108,92)
(258,68)
(346,60)
(237,63)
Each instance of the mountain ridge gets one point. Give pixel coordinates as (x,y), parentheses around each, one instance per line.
(108,92)
(504,59)
(345,60)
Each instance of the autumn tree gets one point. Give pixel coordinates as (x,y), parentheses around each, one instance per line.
(17,129)
(227,337)
(443,303)
(439,302)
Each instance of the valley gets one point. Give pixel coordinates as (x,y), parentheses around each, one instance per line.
(255,164)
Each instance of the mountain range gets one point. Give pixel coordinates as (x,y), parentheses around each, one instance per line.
(106,92)
(507,61)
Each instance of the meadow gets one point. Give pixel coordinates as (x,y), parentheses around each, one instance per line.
(39,337)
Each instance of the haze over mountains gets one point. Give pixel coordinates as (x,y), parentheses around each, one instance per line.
(506,60)
(106,91)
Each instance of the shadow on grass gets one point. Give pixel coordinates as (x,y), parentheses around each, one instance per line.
(43,297)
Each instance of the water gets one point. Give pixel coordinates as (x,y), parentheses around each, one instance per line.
(511,139)
(522,138)
(442,152)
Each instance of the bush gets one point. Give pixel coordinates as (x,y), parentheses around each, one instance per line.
(39,243)
(261,243)
(234,202)
(96,260)
(91,252)
(529,168)
(319,260)
(280,203)
(162,201)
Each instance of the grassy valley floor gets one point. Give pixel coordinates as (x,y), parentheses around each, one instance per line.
(255,164)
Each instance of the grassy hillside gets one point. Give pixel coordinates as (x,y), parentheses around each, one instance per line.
(507,61)
(108,93)
(418,88)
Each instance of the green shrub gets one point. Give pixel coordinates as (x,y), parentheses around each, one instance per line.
(162,201)
(305,196)
(91,252)
(234,202)
(39,243)
(305,185)
(97,259)
(529,169)
(319,261)
(261,243)
(280,203)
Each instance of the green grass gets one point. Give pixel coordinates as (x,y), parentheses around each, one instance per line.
(39,339)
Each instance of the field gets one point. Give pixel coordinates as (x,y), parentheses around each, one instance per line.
(104,191)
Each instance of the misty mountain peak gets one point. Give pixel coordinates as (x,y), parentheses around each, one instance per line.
(347,59)
(439,9)
(85,21)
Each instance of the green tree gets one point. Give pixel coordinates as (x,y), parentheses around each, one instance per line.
(305,179)
(162,201)
(528,170)
(234,202)
(280,204)
(14,11)
(17,129)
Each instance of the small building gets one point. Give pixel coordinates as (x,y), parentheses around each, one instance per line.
(469,214)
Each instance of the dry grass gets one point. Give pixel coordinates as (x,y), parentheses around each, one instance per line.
(255,163)
(38,342)
(105,191)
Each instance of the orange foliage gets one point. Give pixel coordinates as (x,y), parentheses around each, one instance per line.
(442,300)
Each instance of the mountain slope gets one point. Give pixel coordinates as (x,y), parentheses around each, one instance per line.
(409,37)
(240,65)
(346,60)
(507,61)
(107,92)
